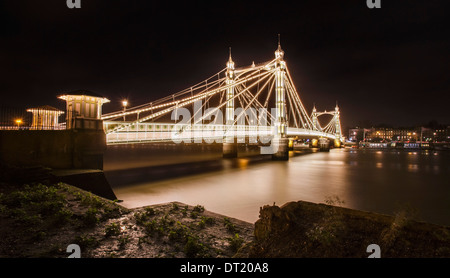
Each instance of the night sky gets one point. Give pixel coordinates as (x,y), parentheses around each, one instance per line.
(388,65)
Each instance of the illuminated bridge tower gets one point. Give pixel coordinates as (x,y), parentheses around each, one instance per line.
(280,141)
(230,144)
(337,126)
(314,119)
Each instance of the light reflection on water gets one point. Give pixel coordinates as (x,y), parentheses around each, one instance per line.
(368,180)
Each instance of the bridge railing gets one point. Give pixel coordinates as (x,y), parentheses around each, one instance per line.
(166,132)
(209,133)
(292,131)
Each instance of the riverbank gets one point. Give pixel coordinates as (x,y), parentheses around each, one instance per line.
(42,220)
(308,230)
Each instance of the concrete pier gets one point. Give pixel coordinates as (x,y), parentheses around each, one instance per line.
(281,149)
(230,150)
(324,145)
(56,149)
(93,181)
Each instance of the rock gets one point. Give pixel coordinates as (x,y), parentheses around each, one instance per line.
(308,230)
(272,220)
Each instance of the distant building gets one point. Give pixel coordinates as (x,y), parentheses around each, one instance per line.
(440,134)
(406,134)
(382,134)
(359,134)
(45,117)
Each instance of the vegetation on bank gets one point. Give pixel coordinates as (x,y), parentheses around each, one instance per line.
(40,220)
(188,231)
(309,230)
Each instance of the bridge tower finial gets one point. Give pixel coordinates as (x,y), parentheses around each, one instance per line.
(279,53)
(230,63)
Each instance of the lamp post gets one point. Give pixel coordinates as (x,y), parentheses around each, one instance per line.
(124,104)
(18,122)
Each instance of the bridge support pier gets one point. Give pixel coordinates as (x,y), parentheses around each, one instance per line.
(324,145)
(229,150)
(337,143)
(291,144)
(314,143)
(281,149)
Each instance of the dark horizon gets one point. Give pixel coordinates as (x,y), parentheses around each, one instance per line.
(388,66)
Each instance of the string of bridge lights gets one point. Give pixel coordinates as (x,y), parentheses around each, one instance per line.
(257,78)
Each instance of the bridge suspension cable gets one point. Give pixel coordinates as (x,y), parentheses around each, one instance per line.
(253,89)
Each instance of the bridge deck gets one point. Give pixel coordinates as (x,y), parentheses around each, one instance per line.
(209,133)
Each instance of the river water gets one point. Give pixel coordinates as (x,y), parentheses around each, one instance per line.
(380,181)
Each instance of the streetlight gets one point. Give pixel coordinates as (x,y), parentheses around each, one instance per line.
(18,122)
(124,104)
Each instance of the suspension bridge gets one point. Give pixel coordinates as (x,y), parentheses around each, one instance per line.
(256,104)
